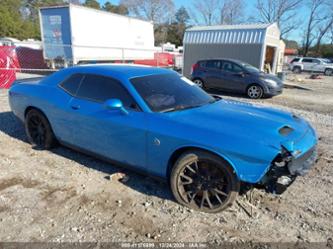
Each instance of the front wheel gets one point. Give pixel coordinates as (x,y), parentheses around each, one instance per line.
(204,182)
(39,131)
(255,92)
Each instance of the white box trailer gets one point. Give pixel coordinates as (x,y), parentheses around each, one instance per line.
(74,34)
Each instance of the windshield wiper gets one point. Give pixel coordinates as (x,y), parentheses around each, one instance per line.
(180,108)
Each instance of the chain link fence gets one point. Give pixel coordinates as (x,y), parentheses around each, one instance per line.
(24,61)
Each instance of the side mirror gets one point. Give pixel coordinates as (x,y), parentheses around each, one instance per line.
(115,104)
(240,74)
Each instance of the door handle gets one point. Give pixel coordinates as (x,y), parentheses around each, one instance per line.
(75,107)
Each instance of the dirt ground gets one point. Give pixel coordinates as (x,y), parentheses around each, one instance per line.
(62,195)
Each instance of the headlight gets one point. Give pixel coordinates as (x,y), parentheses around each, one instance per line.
(271,82)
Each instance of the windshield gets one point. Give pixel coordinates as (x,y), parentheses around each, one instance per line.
(250,68)
(170,92)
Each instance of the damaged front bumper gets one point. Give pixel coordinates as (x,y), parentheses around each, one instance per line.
(285,168)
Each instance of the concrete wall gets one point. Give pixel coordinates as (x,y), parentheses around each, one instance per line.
(250,53)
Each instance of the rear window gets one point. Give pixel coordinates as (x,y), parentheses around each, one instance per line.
(72,84)
(213,64)
(307,60)
(202,63)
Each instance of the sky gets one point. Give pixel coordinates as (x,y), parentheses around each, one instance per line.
(295,35)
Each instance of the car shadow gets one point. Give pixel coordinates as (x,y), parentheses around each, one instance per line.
(11,126)
(222,93)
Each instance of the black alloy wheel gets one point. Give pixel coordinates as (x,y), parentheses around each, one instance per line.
(204,182)
(38,130)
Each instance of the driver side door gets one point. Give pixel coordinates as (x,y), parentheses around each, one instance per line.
(108,133)
(233,76)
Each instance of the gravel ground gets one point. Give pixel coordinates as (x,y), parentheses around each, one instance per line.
(62,195)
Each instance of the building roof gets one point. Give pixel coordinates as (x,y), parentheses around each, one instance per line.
(232,27)
(228,34)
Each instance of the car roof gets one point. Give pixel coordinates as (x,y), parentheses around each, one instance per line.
(119,70)
(225,59)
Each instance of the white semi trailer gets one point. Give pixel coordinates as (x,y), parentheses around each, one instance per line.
(74,34)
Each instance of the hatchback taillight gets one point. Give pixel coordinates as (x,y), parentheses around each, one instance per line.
(194,67)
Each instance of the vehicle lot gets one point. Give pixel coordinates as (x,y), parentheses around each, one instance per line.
(63,195)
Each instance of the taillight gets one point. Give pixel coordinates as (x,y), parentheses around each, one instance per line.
(194,67)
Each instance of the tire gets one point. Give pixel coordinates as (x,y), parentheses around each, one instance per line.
(255,91)
(328,72)
(201,192)
(297,70)
(199,83)
(39,131)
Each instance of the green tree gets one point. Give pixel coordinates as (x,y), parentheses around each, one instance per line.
(119,9)
(32,6)
(12,22)
(9,18)
(92,4)
(182,16)
(174,32)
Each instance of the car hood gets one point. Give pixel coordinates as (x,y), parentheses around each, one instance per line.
(267,76)
(248,122)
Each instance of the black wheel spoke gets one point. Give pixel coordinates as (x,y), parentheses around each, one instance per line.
(206,196)
(188,179)
(218,198)
(220,192)
(202,202)
(196,166)
(191,169)
(191,194)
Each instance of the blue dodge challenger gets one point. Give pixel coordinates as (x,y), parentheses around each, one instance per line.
(158,122)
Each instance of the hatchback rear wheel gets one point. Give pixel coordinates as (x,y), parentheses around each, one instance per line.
(199,83)
(204,182)
(38,130)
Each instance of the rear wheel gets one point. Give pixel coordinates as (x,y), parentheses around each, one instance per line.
(328,72)
(255,92)
(38,130)
(199,83)
(204,182)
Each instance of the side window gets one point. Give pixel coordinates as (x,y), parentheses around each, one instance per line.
(295,60)
(202,64)
(237,69)
(231,67)
(213,64)
(307,60)
(72,84)
(99,89)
